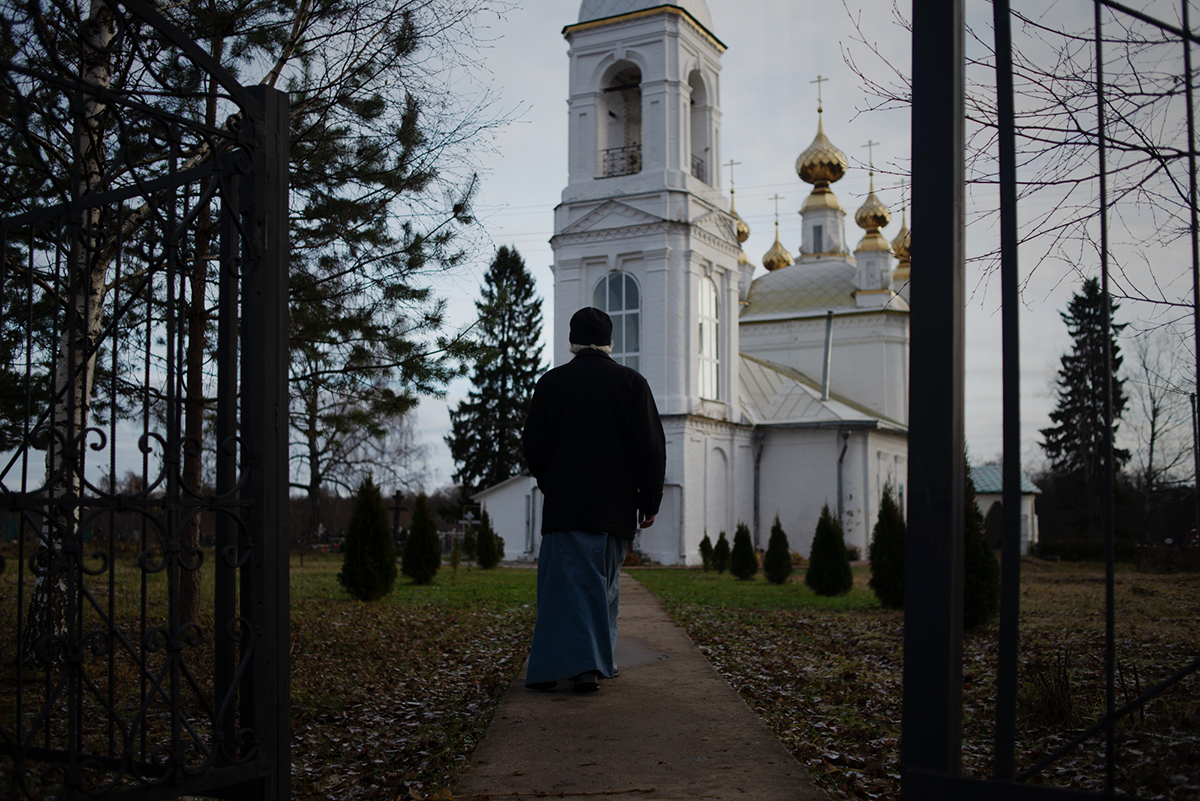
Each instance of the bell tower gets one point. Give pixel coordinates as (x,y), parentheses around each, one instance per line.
(644,233)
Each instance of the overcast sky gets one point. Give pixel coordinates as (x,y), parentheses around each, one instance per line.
(777,49)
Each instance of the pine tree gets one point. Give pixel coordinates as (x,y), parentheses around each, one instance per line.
(743,562)
(485,438)
(706,552)
(828,566)
(489,545)
(1075,443)
(981,571)
(887,552)
(369,570)
(423,551)
(777,564)
(721,553)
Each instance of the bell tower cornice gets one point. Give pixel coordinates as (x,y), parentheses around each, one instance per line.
(649,12)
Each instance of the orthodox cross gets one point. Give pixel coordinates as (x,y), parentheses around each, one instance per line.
(777,198)
(731,164)
(820,80)
(871,153)
(903,185)
(396,510)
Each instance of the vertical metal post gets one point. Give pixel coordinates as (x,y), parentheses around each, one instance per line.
(1110,692)
(265,430)
(1195,232)
(932,723)
(1010,577)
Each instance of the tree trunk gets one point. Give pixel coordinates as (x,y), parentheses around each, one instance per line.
(75,361)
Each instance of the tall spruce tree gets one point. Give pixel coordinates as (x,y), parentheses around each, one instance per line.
(485,438)
(1075,443)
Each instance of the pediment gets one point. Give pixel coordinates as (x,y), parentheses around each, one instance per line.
(611,214)
(718,224)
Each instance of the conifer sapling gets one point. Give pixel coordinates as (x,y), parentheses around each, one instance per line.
(828,567)
(743,562)
(777,564)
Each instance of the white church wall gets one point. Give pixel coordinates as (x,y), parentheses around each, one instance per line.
(710,475)
(799,475)
(869,363)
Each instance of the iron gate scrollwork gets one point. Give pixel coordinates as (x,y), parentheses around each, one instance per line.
(932,717)
(143,561)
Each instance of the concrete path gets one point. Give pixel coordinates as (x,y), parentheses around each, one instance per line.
(668,727)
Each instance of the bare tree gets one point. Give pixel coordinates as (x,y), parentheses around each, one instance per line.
(1161,417)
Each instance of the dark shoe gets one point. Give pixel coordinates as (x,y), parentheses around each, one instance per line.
(587,682)
(541,685)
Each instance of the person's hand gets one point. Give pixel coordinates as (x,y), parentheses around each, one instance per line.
(645,522)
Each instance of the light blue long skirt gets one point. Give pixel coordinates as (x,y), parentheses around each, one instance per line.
(578,595)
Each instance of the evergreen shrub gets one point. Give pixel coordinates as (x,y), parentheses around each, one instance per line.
(828,568)
(490,548)
(706,552)
(369,570)
(777,564)
(743,561)
(721,553)
(887,552)
(981,571)
(423,551)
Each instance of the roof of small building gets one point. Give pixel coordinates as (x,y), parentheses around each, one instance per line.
(602,9)
(988,480)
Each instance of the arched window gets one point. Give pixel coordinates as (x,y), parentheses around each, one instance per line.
(710,343)
(618,294)
(621,127)
(699,125)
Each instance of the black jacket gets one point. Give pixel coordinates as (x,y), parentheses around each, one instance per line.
(595,444)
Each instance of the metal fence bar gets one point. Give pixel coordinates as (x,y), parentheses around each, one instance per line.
(1110,692)
(265,428)
(1010,577)
(1194,227)
(932,739)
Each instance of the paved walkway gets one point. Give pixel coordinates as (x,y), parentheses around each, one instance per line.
(668,727)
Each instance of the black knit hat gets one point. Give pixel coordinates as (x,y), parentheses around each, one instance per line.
(590,326)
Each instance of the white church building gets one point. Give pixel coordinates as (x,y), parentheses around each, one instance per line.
(778,394)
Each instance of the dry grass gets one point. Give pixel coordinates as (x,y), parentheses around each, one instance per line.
(828,683)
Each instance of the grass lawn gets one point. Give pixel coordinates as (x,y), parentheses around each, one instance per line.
(826,677)
(709,588)
(390,698)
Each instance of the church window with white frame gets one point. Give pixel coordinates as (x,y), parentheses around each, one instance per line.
(618,295)
(710,355)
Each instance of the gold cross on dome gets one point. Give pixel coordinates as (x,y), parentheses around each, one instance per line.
(731,164)
(820,80)
(870,145)
(778,197)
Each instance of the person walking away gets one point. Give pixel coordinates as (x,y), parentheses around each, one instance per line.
(595,444)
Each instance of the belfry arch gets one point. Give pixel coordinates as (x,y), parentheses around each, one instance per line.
(620,134)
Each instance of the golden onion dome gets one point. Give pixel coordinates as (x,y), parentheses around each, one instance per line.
(743,258)
(743,228)
(822,163)
(903,241)
(873,214)
(777,257)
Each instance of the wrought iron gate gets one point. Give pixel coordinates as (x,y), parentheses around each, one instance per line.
(932,721)
(143,495)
